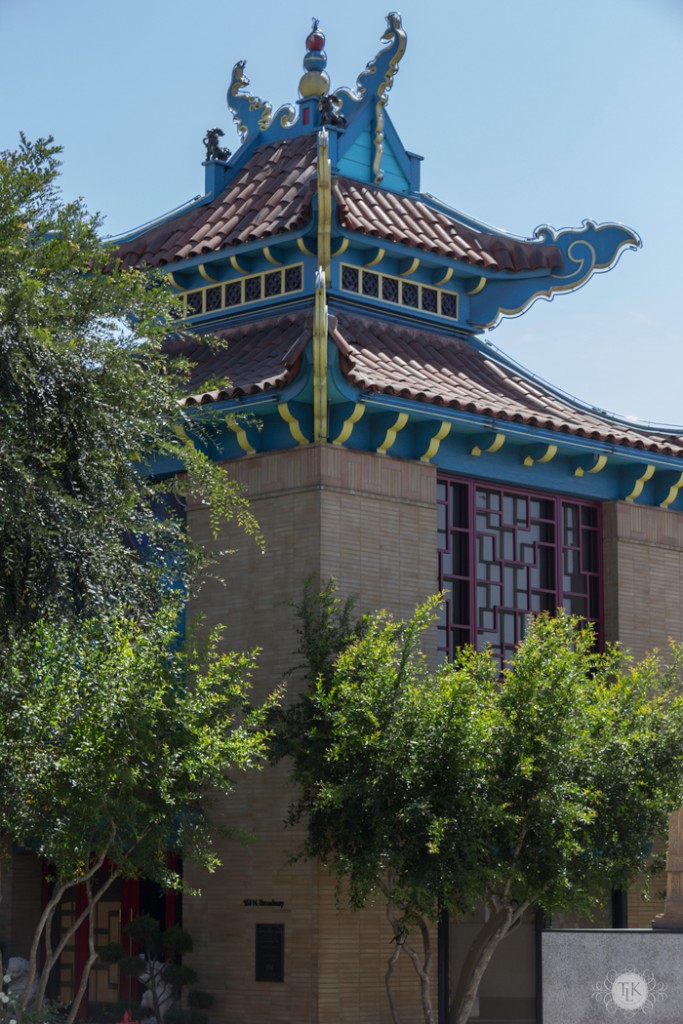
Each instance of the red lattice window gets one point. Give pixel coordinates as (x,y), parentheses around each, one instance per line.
(505,553)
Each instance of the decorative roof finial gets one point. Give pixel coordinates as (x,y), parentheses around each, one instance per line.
(250,113)
(214,151)
(376,81)
(315,81)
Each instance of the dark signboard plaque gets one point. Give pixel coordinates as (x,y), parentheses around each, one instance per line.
(270,952)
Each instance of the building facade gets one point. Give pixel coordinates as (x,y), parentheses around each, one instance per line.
(383,441)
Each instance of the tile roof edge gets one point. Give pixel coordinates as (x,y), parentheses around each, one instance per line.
(451,213)
(507,362)
(156,222)
(439,206)
(654,440)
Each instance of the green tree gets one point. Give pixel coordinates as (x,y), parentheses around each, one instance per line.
(88,405)
(537,788)
(110,736)
(114,743)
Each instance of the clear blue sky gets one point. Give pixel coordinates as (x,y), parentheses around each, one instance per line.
(526,112)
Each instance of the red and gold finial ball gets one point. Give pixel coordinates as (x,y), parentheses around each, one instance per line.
(316,39)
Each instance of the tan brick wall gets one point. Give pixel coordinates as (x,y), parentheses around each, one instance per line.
(369,521)
(643,580)
(643,575)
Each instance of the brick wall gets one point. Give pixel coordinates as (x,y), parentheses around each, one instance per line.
(643,577)
(369,521)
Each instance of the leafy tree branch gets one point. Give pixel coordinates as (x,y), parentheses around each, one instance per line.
(538,788)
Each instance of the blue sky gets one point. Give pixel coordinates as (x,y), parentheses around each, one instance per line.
(527,112)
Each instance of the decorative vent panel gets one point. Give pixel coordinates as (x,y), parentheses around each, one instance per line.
(399,292)
(269,284)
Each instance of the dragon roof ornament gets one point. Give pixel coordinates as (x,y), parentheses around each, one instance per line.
(376,81)
(251,113)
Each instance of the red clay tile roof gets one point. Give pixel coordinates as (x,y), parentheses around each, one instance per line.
(398,218)
(254,358)
(428,367)
(391,359)
(270,195)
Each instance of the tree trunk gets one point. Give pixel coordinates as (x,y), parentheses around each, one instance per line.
(43,928)
(388,979)
(92,954)
(502,919)
(52,956)
(422,969)
(45,919)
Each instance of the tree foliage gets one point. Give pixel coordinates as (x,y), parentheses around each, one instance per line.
(87,399)
(540,788)
(112,738)
(110,734)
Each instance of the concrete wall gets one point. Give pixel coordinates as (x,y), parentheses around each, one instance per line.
(370,522)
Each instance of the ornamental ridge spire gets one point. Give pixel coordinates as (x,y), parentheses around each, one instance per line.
(315,81)
(254,116)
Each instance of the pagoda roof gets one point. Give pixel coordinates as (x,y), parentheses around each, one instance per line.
(348,302)
(252,358)
(434,368)
(409,220)
(381,357)
(271,194)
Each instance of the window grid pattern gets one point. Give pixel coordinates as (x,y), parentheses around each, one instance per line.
(398,291)
(506,553)
(253,288)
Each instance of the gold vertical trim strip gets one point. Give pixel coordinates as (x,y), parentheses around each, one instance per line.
(320,360)
(391,433)
(349,424)
(324,203)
